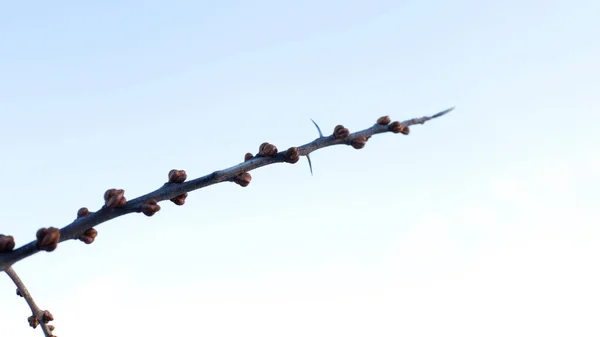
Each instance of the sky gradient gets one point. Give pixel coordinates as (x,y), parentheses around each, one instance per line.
(481,223)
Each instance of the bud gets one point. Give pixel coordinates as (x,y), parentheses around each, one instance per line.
(150,207)
(7,243)
(385,120)
(243,179)
(48,238)
(291,155)
(114,198)
(267,150)
(177,176)
(47,317)
(88,236)
(248,156)
(33,321)
(82,212)
(340,132)
(397,127)
(359,142)
(180,199)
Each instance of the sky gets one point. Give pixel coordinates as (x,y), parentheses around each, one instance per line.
(480,223)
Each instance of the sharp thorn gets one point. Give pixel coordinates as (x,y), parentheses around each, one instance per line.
(309,164)
(318,128)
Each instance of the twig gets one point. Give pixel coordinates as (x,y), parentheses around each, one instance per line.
(38,316)
(172,190)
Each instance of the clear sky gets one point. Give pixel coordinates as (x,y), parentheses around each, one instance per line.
(482,223)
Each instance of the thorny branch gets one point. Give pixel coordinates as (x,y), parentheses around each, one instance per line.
(176,191)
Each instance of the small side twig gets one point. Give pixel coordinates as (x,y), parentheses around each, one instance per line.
(38,316)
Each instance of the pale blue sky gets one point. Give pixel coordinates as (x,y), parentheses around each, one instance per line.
(482,223)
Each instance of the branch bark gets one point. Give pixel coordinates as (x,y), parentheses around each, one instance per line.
(171,190)
(37,316)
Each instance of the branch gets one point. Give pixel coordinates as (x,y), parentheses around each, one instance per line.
(38,317)
(176,189)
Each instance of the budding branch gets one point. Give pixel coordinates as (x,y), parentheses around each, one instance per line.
(176,191)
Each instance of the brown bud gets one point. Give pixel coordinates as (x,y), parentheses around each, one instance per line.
(150,207)
(114,198)
(51,328)
(88,236)
(47,316)
(33,321)
(82,212)
(359,142)
(291,155)
(385,120)
(243,179)
(340,132)
(7,243)
(19,293)
(248,156)
(267,150)
(177,176)
(180,199)
(48,238)
(397,127)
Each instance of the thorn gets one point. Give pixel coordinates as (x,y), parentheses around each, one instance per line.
(442,113)
(309,164)
(318,128)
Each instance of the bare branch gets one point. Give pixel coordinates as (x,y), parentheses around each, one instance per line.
(41,317)
(176,191)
